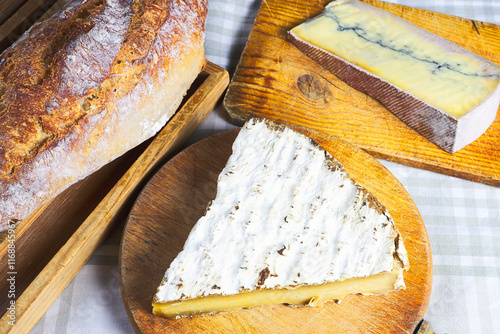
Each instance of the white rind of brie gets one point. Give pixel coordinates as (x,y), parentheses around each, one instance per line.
(285,215)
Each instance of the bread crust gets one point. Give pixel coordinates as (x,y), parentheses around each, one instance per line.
(87,85)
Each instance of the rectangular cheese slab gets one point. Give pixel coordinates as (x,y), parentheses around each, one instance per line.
(446,93)
(287,225)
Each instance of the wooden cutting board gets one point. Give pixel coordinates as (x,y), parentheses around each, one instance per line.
(177,195)
(275,80)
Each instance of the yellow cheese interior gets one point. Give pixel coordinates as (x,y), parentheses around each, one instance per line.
(449,81)
(313,295)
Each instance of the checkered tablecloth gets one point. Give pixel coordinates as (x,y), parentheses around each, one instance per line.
(462,217)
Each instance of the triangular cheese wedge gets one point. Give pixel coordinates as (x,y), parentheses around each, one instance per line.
(287,226)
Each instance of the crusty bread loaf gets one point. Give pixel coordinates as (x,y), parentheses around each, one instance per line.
(87,85)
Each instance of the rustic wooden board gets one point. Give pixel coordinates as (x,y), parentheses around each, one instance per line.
(55,241)
(177,195)
(275,80)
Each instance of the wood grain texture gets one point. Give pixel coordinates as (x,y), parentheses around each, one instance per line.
(54,243)
(8,8)
(425,328)
(20,16)
(176,197)
(275,80)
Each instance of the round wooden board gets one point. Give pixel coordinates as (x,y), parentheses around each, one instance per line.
(177,195)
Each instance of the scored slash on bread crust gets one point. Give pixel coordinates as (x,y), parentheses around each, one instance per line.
(87,85)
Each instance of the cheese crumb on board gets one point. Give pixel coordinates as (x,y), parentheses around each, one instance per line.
(287,226)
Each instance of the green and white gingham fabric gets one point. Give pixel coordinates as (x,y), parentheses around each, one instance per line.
(462,217)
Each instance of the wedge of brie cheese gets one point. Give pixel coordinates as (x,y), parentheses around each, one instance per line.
(446,93)
(287,225)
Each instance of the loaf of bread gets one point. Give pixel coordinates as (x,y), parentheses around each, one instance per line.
(87,85)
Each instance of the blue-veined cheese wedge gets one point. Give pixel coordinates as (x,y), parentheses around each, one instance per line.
(446,93)
(287,225)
